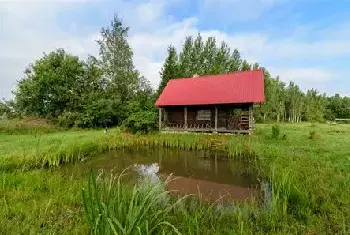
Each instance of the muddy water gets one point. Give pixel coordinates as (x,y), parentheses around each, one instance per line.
(212,176)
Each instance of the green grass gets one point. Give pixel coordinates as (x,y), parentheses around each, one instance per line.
(310,181)
(27,126)
(115,208)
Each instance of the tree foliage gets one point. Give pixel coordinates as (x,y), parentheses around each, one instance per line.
(170,69)
(337,107)
(52,85)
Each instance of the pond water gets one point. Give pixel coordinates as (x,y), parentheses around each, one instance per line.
(212,176)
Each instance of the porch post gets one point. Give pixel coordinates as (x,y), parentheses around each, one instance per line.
(160,119)
(216,120)
(185,117)
(251,122)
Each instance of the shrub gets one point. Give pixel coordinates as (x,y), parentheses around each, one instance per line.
(275,131)
(67,119)
(313,135)
(141,122)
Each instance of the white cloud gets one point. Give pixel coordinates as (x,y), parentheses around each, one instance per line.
(28,30)
(150,48)
(300,75)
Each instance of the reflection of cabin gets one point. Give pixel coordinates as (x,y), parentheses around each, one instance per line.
(209,190)
(215,103)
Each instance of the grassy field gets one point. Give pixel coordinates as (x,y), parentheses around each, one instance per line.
(308,166)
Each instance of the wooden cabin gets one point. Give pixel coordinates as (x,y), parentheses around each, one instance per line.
(215,103)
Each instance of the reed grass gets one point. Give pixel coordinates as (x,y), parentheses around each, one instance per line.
(34,126)
(115,208)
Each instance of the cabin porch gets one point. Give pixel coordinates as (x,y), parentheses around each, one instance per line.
(233,118)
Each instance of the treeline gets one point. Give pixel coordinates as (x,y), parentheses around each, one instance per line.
(108,90)
(283,102)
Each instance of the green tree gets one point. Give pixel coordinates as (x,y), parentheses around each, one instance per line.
(222,60)
(170,69)
(236,61)
(245,66)
(116,61)
(209,53)
(3,108)
(197,58)
(337,107)
(255,66)
(185,63)
(51,86)
(314,106)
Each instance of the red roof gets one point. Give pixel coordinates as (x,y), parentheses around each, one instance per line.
(239,87)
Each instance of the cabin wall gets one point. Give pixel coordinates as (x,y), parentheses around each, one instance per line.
(174,117)
(174,114)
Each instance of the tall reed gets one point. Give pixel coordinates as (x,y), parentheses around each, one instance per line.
(112,207)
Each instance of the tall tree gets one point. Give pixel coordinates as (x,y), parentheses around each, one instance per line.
(3,108)
(52,85)
(116,61)
(314,106)
(236,61)
(222,60)
(245,66)
(255,66)
(170,69)
(197,58)
(185,63)
(209,53)
(337,107)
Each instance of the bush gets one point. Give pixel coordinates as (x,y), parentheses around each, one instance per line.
(275,131)
(313,135)
(141,122)
(67,119)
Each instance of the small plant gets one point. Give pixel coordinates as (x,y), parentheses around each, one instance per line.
(313,135)
(284,137)
(275,131)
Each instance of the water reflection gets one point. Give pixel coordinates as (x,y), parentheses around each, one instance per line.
(148,171)
(211,175)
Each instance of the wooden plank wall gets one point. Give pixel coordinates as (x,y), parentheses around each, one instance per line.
(176,114)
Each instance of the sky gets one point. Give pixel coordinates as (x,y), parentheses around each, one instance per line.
(305,41)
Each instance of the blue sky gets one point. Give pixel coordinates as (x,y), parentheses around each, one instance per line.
(306,41)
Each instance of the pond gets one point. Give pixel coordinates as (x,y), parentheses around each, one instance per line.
(212,176)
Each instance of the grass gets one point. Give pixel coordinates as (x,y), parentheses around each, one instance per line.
(115,208)
(27,126)
(310,183)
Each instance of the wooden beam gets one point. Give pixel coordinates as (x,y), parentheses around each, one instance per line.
(251,122)
(185,117)
(216,120)
(160,119)
(165,116)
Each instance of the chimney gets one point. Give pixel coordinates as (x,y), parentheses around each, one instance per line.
(195,75)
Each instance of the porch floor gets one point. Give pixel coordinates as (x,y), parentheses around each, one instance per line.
(209,130)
